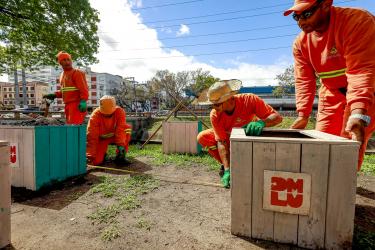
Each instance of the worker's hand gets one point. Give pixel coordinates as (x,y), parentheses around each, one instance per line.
(300,123)
(121,151)
(82,106)
(356,128)
(254,128)
(225,180)
(50,96)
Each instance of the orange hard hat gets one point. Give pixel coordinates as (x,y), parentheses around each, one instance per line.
(300,6)
(107,105)
(63,55)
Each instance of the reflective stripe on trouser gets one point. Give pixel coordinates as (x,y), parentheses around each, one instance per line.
(73,115)
(333,114)
(206,138)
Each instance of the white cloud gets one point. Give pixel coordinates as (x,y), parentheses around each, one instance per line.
(135,3)
(123,37)
(183,31)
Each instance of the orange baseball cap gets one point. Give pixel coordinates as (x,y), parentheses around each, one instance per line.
(63,55)
(107,105)
(300,6)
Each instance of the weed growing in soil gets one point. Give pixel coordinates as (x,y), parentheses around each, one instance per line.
(368,166)
(363,239)
(110,233)
(127,191)
(142,223)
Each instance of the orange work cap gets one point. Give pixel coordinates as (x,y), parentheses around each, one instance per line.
(300,6)
(63,55)
(107,105)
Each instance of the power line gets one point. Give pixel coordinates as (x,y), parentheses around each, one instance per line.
(167,5)
(221,33)
(217,14)
(210,43)
(204,54)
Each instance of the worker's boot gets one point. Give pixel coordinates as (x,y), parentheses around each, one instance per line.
(221,172)
(121,157)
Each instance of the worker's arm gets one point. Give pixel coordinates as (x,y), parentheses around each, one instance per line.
(120,135)
(305,86)
(223,149)
(79,78)
(221,138)
(359,52)
(58,93)
(93,135)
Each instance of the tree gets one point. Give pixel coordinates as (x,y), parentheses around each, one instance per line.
(286,82)
(32,32)
(201,81)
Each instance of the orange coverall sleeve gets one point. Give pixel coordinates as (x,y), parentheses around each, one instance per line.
(120,135)
(218,128)
(93,134)
(79,79)
(58,93)
(305,78)
(262,109)
(359,52)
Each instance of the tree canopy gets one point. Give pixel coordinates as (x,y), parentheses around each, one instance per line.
(33,31)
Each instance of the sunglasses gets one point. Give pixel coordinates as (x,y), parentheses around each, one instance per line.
(308,13)
(217,105)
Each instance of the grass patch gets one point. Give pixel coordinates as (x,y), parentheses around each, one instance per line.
(127,191)
(363,239)
(110,233)
(368,166)
(288,121)
(143,224)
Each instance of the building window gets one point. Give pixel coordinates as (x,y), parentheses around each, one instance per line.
(93,78)
(59,102)
(93,86)
(21,95)
(32,88)
(5,96)
(5,102)
(93,93)
(93,101)
(58,87)
(31,95)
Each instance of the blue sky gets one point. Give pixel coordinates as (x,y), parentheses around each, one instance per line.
(129,28)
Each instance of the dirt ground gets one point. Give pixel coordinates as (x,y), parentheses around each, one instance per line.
(172,216)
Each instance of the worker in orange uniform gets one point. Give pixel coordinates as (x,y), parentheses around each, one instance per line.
(233,110)
(107,125)
(74,90)
(337,45)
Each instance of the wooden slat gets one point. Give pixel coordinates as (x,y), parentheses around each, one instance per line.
(166,132)
(241,185)
(341,196)
(12,136)
(193,133)
(314,161)
(262,220)
(29,160)
(72,136)
(180,137)
(288,160)
(172,137)
(321,135)
(5,199)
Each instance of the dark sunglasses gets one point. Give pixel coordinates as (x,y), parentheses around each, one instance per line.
(308,13)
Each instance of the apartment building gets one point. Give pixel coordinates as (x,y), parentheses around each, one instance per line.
(34,93)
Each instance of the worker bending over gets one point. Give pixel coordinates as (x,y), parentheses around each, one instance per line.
(233,110)
(107,125)
(337,45)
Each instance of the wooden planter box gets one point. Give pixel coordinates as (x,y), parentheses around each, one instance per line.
(294,186)
(181,137)
(41,155)
(4,195)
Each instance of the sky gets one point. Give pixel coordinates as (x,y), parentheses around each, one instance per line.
(242,39)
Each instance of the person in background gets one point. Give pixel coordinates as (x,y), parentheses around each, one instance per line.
(73,90)
(107,125)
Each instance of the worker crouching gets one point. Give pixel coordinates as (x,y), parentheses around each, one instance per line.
(107,125)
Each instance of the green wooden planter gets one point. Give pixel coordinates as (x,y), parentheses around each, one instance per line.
(46,154)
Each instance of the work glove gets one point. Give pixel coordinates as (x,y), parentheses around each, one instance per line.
(255,128)
(49,97)
(121,151)
(225,180)
(82,106)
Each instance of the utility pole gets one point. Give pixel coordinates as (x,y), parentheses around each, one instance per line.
(24,88)
(16,89)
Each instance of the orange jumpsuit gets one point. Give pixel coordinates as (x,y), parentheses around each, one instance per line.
(73,89)
(247,107)
(344,60)
(104,130)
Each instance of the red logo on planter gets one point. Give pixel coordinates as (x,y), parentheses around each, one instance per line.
(13,154)
(293,189)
